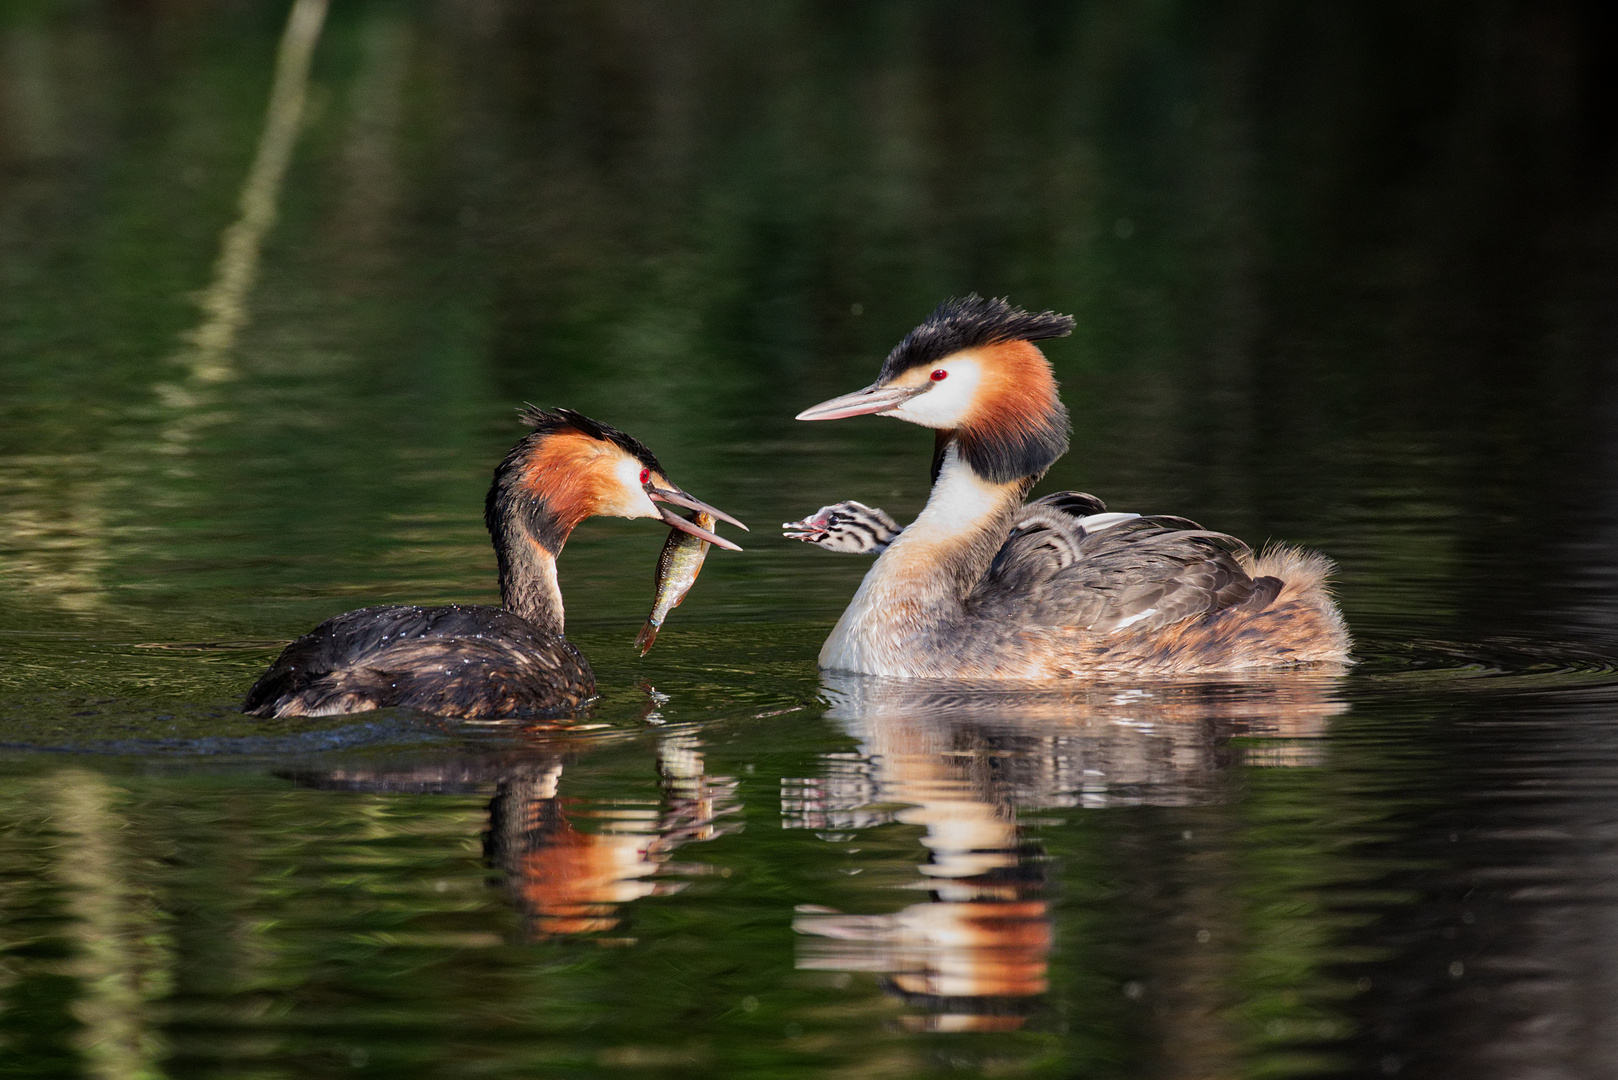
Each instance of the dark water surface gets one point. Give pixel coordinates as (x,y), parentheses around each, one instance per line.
(1344,275)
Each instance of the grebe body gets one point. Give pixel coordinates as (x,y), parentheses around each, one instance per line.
(984,585)
(449,660)
(486,662)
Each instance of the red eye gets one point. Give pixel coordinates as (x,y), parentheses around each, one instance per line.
(939,375)
(645,475)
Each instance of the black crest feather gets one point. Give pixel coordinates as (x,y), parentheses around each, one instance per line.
(970,322)
(550,421)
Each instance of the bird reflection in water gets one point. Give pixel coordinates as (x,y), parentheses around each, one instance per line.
(961,761)
(570,864)
(569,880)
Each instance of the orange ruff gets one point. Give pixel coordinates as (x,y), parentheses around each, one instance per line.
(572,472)
(1015,396)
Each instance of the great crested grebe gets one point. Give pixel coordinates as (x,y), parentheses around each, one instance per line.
(481,662)
(982,585)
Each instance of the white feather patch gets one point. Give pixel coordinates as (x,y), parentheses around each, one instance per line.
(1138,616)
(1096,522)
(949,400)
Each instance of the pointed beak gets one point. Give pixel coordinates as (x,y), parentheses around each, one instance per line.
(873,399)
(811,528)
(680,498)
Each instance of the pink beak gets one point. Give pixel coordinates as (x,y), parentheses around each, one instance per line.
(680,498)
(872,399)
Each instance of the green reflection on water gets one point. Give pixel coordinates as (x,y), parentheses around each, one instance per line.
(574,902)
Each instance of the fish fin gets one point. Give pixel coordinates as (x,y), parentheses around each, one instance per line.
(647,635)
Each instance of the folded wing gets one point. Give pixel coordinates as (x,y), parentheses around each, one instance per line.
(1069,563)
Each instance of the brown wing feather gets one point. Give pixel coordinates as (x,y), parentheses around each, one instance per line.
(1145,572)
(450,661)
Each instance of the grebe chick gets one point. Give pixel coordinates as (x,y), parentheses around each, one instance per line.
(850,527)
(484,662)
(981,585)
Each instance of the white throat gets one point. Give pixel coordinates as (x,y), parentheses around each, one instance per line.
(960,502)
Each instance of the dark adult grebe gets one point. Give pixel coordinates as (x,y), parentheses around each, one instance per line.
(480,662)
(982,585)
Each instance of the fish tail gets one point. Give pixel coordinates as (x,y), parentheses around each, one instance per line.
(647,635)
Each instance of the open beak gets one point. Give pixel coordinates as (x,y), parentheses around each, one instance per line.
(680,498)
(873,399)
(811,529)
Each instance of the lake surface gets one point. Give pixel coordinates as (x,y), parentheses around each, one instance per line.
(267,309)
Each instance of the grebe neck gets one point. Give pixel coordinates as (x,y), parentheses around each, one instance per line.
(528,588)
(957,533)
(526,557)
(920,583)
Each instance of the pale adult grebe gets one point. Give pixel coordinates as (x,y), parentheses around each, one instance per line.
(982,585)
(480,662)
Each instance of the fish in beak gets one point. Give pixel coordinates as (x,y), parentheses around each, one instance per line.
(677,570)
(873,399)
(690,502)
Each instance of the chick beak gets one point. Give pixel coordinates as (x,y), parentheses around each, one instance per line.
(875,398)
(811,529)
(680,498)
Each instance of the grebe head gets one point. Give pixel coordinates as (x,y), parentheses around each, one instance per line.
(572,468)
(971,370)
